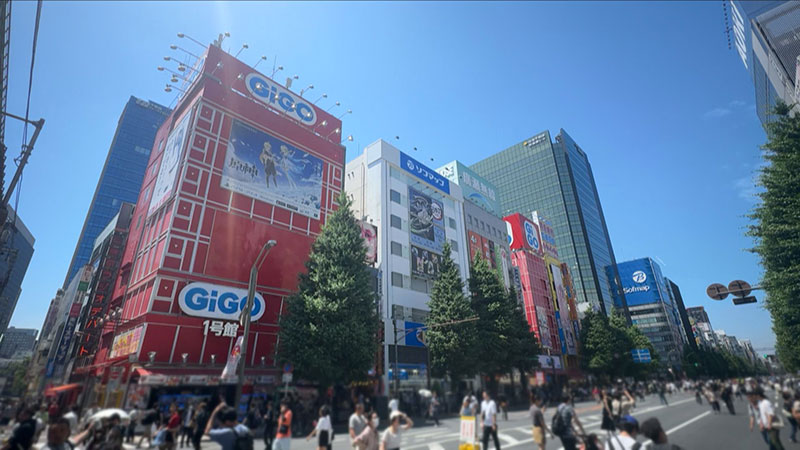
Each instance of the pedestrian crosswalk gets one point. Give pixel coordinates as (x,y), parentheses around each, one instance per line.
(447,439)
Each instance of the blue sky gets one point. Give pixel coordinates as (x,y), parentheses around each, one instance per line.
(649,90)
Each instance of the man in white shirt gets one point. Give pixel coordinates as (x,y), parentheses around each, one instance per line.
(489,421)
(394,405)
(626,438)
(768,422)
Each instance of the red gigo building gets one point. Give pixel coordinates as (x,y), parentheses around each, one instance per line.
(241,160)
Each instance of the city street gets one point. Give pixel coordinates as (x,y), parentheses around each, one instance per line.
(687,424)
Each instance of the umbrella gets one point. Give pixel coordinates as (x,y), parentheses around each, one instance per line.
(107,413)
(425,393)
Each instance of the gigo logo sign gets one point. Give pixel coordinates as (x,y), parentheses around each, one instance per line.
(639,276)
(276,96)
(530,235)
(218,302)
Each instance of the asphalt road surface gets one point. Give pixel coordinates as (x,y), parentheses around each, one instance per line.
(687,424)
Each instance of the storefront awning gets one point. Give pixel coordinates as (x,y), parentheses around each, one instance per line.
(53,391)
(142,372)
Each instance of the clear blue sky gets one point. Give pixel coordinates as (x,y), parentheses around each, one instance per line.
(650,91)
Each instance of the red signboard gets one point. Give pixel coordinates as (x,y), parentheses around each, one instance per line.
(523,233)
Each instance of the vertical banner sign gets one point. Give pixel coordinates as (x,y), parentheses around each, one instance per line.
(229,371)
(168,170)
(66,336)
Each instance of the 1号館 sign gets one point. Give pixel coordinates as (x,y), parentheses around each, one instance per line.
(218,302)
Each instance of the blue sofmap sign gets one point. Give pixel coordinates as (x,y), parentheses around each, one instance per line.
(424,173)
(642,282)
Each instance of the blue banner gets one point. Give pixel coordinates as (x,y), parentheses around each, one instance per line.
(424,173)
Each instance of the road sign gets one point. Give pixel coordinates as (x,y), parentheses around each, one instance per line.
(287,368)
(743,300)
(641,355)
(739,288)
(717,291)
(287,377)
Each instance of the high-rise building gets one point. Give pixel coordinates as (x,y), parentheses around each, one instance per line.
(556,179)
(414,210)
(698,313)
(122,174)
(16,341)
(15,255)
(652,308)
(675,292)
(764,34)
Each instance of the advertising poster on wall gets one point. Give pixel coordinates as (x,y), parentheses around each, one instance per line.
(127,342)
(475,246)
(544,330)
(425,220)
(266,168)
(424,263)
(168,171)
(369,233)
(562,314)
(548,236)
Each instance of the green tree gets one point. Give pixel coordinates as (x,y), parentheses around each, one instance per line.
(600,348)
(524,348)
(493,332)
(329,332)
(451,347)
(777,232)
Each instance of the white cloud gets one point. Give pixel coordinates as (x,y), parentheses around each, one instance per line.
(716,113)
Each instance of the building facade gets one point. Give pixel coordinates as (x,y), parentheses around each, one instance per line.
(414,210)
(555,178)
(652,308)
(16,251)
(677,299)
(239,162)
(17,342)
(763,33)
(122,174)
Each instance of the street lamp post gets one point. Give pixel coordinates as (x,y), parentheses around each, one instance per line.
(245,317)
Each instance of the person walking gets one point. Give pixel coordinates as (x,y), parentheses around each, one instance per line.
(323,430)
(22,436)
(201,416)
(173,427)
(149,419)
(269,418)
(232,435)
(608,422)
(539,429)
(283,438)
(394,405)
(769,422)
(58,435)
(357,422)
(489,421)
(626,438)
(564,422)
(187,426)
(434,408)
(368,439)
(651,429)
(727,397)
(73,416)
(788,402)
(392,435)
(662,391)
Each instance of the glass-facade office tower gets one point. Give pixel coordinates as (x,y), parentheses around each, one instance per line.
(764,35)
(15,255)
(122,173)
(555,179)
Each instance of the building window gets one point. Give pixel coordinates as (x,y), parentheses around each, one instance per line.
(396,222)
(419,285)
(451,222)
(397,248)
(469,219)
(454,245)
(397,279)
(394,196)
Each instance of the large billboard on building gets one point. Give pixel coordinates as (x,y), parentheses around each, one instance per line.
(523,233)
(424,263)
(639,282)
(168,170)
(369,233)
(424,173)
(474,187)
(548,238)
(425,221)
(266,168)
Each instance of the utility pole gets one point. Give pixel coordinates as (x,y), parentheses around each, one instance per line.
(26,153)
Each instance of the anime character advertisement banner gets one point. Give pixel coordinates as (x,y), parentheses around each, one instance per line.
(369,233)
(424,263)
(167,171)
(425,221)
(266,168)
(475,246)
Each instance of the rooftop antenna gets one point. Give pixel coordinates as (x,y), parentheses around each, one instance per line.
(244,46)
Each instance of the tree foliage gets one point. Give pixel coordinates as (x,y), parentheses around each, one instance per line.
(494,325)
(777,232)
(606,344)
(717,363)
(329,332)
(451,347)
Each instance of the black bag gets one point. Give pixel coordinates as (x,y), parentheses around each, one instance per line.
(149,418)
(244,441)
(558,426)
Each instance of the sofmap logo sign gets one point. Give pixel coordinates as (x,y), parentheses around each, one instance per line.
(424,173)
(530,235)
(218,302)
(276,96)
(639,276)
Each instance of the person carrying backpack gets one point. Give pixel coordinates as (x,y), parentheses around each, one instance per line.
(231,435)
(149,417)
(563,423)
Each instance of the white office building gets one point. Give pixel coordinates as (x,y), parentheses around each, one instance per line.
(413,210)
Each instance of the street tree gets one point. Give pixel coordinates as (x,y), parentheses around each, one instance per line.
(493,333)
(777,232)
(524,348)
(451,347)
(329,332)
